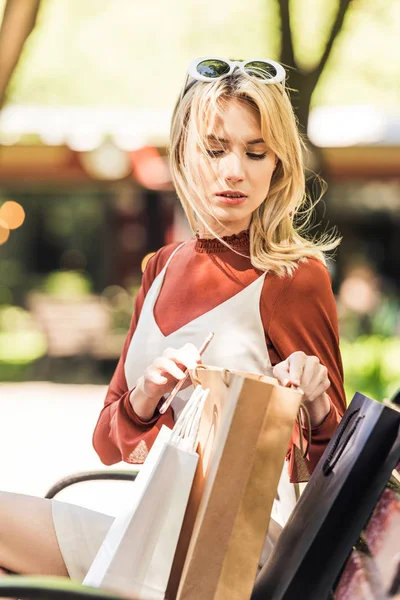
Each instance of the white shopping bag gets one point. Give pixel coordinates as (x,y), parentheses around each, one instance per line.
(137,554)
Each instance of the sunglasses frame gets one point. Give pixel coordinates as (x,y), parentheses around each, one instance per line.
(233,64)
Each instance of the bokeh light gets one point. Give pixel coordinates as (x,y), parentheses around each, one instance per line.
(150,168)
(107,162)
(117,297)
(359,292)
(4,232)
(13,214)
(146,260)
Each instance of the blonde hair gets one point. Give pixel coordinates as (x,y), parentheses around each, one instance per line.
(276,244)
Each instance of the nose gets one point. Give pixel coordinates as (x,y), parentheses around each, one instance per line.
(232,167)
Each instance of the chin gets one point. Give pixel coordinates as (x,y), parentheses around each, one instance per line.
(232,225)
(233,214)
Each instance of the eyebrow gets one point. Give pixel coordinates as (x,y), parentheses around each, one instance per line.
(214,138)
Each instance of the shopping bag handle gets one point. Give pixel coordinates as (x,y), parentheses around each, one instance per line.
(306,417)
(226,373)
(337,451)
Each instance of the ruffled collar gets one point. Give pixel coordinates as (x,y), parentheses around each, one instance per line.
(237,241)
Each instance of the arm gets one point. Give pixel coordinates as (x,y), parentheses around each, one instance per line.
(303,318)
(120,434)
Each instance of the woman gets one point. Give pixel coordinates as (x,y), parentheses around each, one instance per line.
(248,275)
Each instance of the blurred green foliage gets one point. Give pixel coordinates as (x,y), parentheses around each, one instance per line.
(120,302)
(116,53)
(21,343)
(67,285)
(371,363)
(21,347)
(371,366)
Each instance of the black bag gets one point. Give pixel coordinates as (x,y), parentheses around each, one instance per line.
(335,505)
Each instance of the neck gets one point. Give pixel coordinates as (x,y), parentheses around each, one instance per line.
(222,230)
(237,242)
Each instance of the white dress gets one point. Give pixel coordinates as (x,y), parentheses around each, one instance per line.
(239,343)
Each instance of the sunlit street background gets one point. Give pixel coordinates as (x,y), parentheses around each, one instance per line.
(45,435)
(86,94)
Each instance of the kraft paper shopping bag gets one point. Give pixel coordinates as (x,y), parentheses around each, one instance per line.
(244,435)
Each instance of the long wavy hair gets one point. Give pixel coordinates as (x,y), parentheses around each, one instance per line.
(279,226)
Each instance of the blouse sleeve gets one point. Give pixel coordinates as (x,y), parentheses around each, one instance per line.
(119,433)
(304,317)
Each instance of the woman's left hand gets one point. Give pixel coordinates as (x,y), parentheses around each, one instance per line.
(308,374)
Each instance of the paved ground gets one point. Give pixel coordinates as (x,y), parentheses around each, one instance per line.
(45,434)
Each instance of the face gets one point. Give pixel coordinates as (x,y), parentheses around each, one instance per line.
(243,166)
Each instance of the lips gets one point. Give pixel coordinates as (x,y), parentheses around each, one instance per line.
(232,194)
(231,197)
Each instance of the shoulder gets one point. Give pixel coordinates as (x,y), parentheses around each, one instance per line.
(311,276)
(309,284)
(301,301)
(157,262)
(160,258)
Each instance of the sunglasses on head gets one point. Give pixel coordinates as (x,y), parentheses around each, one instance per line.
(211,68)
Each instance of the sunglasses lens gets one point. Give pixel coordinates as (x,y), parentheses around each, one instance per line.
(260,69)
(212,68)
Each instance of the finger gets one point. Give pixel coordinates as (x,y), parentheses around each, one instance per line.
(188,356)
(319,389)
(168,366)
(183,362)
(321,379)
(297,362)
(154,376)
(192,351)
(281,372)
(312,373)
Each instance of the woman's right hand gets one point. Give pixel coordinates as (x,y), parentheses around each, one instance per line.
(161,377)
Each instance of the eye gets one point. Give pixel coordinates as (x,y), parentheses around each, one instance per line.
(214,153)
(256,156)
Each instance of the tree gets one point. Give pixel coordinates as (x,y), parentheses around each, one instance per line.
(18,22)
(303,82)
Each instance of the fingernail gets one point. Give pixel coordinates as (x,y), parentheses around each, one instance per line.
(286,382)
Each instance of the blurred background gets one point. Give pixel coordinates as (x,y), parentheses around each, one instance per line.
(86,94)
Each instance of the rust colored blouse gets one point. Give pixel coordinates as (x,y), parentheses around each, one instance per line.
(298,312)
